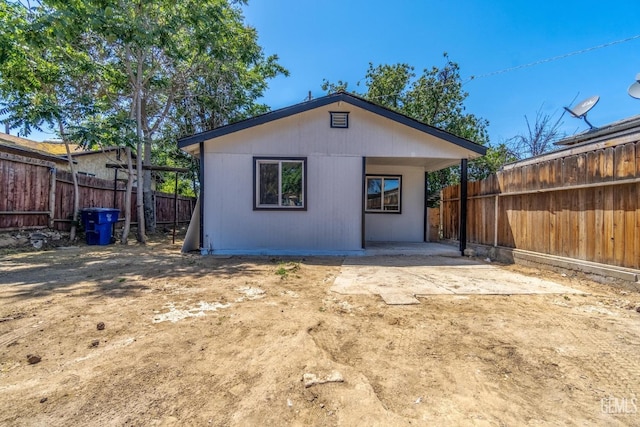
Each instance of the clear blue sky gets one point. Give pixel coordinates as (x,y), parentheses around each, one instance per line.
(337,39)
(333,39)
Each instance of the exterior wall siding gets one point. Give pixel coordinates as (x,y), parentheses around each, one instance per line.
(330,223)
(406,226)
(94,164)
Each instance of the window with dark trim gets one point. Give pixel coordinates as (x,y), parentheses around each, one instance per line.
(339,119)
(280,183)
(384,193)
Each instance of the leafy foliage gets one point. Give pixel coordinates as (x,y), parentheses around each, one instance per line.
(497,155)
(184,66)
(37,86)
(435,97)
(292,178)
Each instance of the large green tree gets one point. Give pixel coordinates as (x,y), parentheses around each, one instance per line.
(435,97)
(43,81)
(161,69)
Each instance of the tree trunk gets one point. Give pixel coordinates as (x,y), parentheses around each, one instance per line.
(74,177)
(142,238)
(149,202)
(127,200)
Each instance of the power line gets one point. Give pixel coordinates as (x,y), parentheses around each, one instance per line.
(554,58)
(528,65)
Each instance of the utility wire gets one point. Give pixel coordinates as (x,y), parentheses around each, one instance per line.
(530,64)
(554,58)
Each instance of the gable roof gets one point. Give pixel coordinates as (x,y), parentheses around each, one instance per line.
(326,100)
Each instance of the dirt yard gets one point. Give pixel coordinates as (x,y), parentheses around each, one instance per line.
(191,340)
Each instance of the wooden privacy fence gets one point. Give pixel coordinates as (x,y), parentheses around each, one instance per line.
(34,195)
(582,205)
(26,187)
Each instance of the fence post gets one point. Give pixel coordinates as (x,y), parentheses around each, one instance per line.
(52,197)
(440,220)
(495,221)
(175,210)
(201,195)
(425,220)
(463,205)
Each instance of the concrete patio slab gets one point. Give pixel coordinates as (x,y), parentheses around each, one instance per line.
(399,278)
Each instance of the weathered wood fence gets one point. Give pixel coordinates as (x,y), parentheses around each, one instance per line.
(34,195)
(582,205)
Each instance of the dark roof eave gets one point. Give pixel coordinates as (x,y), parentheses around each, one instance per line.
(326,100)
(99,151)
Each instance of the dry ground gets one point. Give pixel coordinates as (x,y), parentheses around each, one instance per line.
(191,340)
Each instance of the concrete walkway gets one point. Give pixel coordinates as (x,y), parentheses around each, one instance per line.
(399,279)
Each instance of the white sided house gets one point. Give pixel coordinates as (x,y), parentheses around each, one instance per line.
(322,177)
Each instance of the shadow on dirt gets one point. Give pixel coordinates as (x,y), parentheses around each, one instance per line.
(117,271)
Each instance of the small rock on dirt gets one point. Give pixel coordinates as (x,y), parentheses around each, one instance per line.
(95,343)
(44,399)
(638,309)
(100,326)
(33,359)
(313,379)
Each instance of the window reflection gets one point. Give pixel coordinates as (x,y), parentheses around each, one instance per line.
(383,194)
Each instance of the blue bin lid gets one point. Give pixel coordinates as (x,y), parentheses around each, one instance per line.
(100,210)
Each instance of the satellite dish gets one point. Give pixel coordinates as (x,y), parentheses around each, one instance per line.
(580,111)
(634,89)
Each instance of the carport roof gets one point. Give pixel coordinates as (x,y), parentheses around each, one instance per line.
(326,100)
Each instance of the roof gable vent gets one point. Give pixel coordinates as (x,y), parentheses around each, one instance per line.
(339,119)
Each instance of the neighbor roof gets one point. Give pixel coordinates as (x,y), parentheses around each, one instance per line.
(326,100)
(8,144)
(611,135)
(628,126)
(55,148)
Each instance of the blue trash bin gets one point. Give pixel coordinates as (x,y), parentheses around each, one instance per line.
(98,223)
